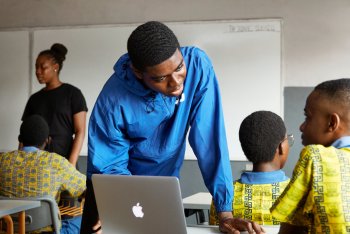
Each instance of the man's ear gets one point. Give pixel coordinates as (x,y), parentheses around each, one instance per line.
(138,73)
(333,122)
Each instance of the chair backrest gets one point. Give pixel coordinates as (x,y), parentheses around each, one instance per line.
(45,215)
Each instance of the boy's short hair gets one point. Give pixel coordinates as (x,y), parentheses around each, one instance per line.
(151,44)
(336,90)
(34,131)
(260,134)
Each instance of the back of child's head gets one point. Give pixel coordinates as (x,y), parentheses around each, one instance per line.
(260,134)
(34,131)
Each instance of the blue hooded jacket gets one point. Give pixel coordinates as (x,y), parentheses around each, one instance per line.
(136,131)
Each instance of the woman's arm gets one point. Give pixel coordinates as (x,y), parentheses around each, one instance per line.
(79,120)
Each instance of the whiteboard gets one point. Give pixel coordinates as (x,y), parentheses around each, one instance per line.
(246,55)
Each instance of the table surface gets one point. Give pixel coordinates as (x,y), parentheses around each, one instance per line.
(202,229)
(14,206)
(198,201)
(205,229)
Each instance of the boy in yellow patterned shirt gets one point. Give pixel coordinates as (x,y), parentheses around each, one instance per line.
(317,199)
(264,142)
(32,172)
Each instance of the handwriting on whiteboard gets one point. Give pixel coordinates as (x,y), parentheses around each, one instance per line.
(253,28)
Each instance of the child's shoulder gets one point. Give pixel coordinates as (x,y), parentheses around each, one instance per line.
(315,151)
(319,148)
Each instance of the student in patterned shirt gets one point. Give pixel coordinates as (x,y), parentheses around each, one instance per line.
(265,143)
(317,199)
(32,172)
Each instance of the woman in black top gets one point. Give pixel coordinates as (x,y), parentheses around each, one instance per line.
(62,105)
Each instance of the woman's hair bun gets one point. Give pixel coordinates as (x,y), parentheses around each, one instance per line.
(60,50)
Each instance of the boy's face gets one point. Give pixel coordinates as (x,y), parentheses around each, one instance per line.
(315,128)
(167,77)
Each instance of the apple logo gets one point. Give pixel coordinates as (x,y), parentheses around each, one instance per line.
(137,211)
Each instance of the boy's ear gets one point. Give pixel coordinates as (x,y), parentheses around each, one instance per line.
(137,72)
(46,142)
(280,148)
(334,122)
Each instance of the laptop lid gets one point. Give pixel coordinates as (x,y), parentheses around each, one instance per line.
(139,204)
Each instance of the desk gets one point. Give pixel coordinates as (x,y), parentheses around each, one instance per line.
(8,207)
(202,229)
(196,204)
(198,201)
(205,229)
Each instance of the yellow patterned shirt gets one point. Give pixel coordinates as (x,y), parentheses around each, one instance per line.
(318,195)
(38,173)
(254,195)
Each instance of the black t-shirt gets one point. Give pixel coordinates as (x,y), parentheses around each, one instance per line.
(58,106)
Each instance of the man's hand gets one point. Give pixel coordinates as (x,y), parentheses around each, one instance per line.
(231,225)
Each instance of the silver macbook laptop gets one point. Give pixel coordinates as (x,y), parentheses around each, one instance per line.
(139,204)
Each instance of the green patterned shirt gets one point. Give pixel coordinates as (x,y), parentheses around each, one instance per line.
(318,195)
(38,173)
(253,200)
(30,174)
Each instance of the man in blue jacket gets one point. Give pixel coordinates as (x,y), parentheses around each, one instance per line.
(158,92)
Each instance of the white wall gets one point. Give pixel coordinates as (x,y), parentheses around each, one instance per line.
(240,57)
(316,32)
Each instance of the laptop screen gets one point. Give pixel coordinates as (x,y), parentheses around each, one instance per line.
(139,204)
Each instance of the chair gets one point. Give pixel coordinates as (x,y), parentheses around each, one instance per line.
(9,224)
(70,207)
(45,215)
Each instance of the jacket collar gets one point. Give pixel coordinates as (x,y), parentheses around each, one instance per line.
(124,72)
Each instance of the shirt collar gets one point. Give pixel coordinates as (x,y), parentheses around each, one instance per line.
(343,142)
(30,149)
(263,177)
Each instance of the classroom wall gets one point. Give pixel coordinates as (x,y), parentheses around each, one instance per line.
(316,41)
(316,32)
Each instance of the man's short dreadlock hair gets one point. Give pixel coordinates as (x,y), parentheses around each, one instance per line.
(260,134)
(151,44)
(34,131)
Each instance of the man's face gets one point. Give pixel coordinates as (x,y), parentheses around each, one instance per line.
(316,124)
(167,77)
